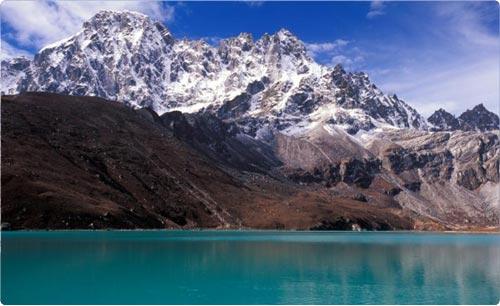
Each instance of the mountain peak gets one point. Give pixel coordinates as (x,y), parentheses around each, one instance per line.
(339,69)
(123,19)
(444,121)
(288,38)
(17,60)
(285,36)
(246,36)
(285,32)
(105,14)
(126,56)
(106,23)
(283,42)
(479,118)
(479,108)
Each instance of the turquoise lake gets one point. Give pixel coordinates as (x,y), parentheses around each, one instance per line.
(249,267)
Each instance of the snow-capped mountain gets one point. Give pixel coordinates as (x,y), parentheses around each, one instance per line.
(266,83)
(15,74)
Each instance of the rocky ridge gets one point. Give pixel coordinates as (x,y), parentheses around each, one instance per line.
(128,57)
(477,119)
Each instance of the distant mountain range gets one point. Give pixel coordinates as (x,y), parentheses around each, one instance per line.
(477,119)
(255,108)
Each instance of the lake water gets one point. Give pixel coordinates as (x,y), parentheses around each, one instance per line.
(234,267)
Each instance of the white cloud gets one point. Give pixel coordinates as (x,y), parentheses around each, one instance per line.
(453,88)
(339,51)
(466,22)
(377,8)
(253,3)
(38,23)
(213,40)
(7,51)
(456,69)
(321,49)
(348,62)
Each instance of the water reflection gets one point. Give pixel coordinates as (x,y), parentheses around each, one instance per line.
(263,268)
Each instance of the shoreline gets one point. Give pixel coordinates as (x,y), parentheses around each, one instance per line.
(493,231)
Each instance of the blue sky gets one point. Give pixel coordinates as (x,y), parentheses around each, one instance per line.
(432,54)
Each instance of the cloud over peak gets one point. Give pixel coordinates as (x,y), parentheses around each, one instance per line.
(316,49)
(34,24)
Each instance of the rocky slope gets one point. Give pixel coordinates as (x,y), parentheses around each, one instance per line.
(451,178)
(80,162)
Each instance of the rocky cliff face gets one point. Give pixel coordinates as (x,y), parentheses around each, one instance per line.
(448,177)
